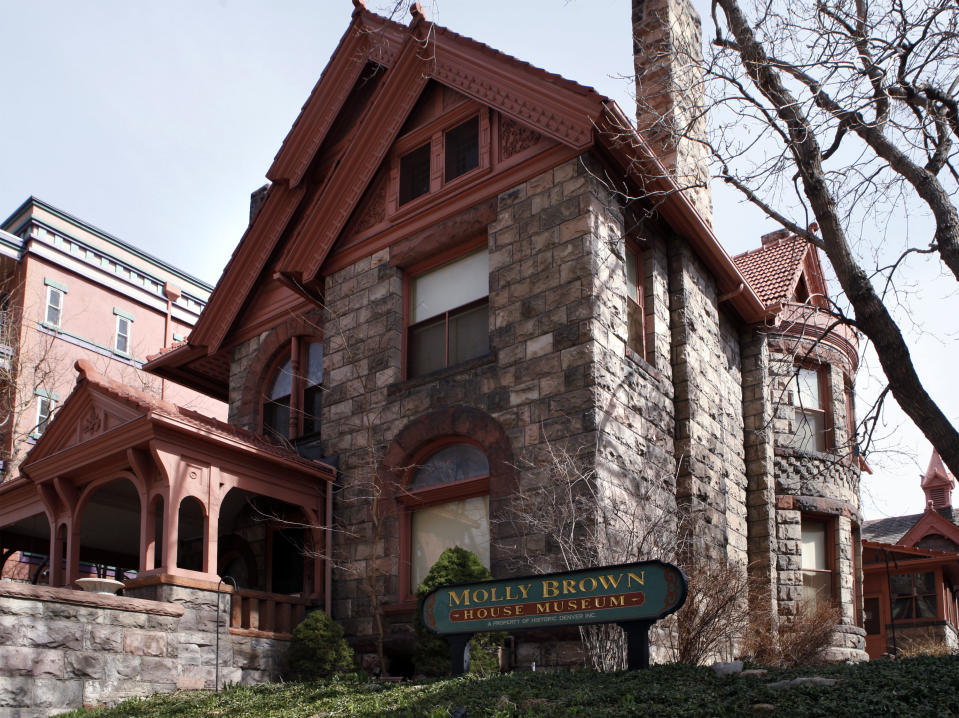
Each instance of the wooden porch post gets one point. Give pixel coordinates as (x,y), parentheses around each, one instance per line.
(57,540)
(171,534)
(73,552)
(148,536)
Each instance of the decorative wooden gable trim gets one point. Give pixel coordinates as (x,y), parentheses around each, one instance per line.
(328,212)
(85,415)
(931,522)
(554,107)
(364,40)
(245,266)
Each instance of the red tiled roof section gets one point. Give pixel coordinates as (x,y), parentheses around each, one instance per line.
(773,269)
(148,403)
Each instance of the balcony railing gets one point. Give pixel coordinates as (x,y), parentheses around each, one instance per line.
(258,612)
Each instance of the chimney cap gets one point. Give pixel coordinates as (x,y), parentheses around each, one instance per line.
(772,237)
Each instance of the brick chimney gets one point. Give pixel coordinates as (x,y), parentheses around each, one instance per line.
(937,484)
(257,198)
(670,96)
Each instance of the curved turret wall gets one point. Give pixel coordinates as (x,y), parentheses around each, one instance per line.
(816,466)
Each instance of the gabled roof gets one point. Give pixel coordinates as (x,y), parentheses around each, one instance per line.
(774,269)
(303,213)
(889,530)
(936,473)
(99,406)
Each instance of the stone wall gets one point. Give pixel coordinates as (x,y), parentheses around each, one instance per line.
(707,376)
(60,648)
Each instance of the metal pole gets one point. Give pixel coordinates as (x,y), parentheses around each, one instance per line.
(230,579)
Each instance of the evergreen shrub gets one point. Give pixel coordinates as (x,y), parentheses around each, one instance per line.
(318,649)
(432,655)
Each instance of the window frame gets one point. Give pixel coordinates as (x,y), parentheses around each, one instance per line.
(43,422)
(824,411)
(418,270)
(914,596)
(636,343)
(126,336)
(830,526)
(410,500)
(51,292)
(434,133)
(297,352)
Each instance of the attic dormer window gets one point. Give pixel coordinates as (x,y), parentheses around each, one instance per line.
(415,174)
(446,149)
(462,149)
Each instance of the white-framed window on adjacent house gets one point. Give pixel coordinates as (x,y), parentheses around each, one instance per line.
(46,403)
(121,341)
(54,312)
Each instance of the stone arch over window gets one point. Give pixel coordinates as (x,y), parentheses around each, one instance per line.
(477,443)
(247,411)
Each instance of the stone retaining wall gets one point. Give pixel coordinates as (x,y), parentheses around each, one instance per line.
(60,648)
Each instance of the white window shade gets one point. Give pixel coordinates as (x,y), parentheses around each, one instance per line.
(814,546)
(808,395)
(450,286)
(437,528)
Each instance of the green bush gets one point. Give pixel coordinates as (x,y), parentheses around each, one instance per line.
(318,649)
(432,655)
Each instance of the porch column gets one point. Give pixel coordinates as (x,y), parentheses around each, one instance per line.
(57,545)
(171,536)
(147,537)
(73,553)
(211,531)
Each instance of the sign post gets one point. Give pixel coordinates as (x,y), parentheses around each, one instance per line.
(634,595)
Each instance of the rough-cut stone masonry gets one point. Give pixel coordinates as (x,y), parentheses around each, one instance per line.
(60,649)
(707,377)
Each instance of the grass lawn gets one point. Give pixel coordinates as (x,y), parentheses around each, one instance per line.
(910,687)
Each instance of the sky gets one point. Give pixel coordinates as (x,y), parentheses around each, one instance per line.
(155,120)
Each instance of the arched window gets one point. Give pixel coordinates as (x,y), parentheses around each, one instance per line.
(447,504)
(293,393)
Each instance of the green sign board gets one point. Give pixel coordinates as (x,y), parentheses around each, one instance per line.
(644,591)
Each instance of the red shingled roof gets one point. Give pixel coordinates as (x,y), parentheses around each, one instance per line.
(772,270)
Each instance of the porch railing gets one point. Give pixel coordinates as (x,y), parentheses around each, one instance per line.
(262,612)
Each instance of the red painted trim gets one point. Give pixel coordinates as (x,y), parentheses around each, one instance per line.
(931,522)
(422,437)
(445,204)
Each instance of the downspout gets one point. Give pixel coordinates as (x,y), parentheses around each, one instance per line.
(328,559)
(172,293)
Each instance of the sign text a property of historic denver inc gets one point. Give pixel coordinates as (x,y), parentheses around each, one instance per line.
(644,591)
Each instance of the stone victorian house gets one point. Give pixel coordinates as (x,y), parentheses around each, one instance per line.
(461,264)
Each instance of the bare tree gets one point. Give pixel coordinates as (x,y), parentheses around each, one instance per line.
(837,119)
(27,370)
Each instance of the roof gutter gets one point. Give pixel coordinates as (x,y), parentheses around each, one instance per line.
(616,132)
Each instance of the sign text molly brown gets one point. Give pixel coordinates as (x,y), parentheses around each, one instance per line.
(644,590)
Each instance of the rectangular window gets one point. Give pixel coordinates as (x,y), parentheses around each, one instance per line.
(462,148)
(449,314)
(809,429)
(45,407)
(818,561)
(635,304)
(54,306)
(851,418)
(415,174)
(913,595)
(122,343)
